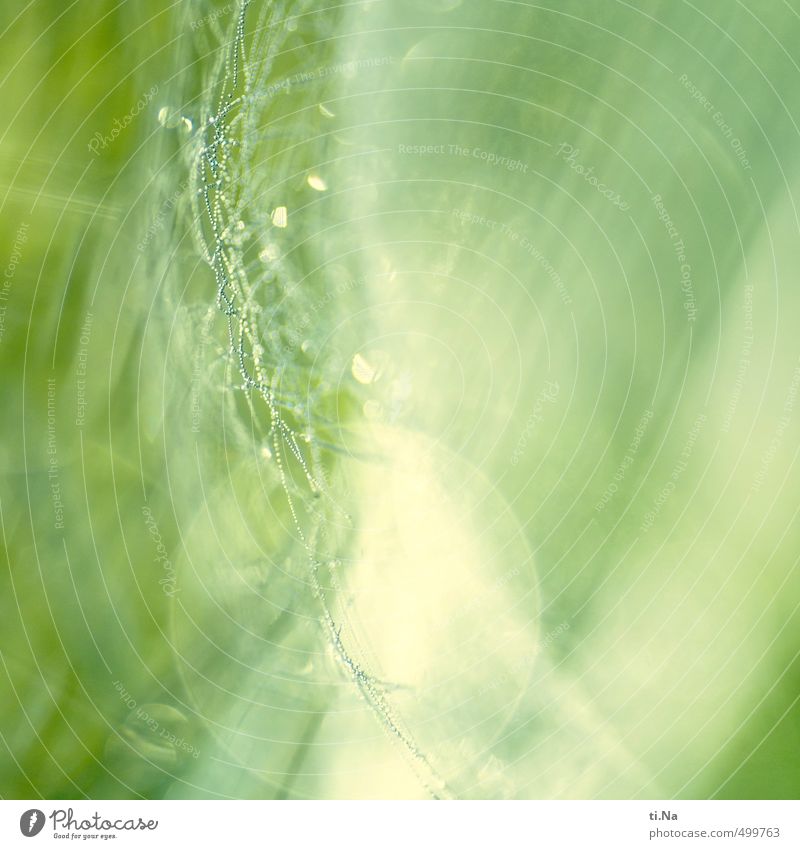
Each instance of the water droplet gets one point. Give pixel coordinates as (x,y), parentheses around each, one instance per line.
(305,346)
(317,183)
(326,112)
(240,225)
(280,216)
(266,453)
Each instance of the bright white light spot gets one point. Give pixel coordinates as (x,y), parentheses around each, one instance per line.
(280,216)
(363,371)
